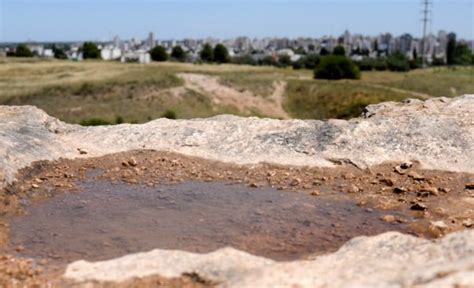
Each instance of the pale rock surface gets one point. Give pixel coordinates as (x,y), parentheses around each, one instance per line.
(439,132)
(391,259)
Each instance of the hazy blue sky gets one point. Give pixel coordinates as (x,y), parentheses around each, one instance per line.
(53,20)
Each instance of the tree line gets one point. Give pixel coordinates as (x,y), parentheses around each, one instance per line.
(326,65)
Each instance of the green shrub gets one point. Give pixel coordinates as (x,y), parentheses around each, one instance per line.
(178,53)
(284,61)
(90,51)
(269,60)
(380,64)
(170,114)
(366,64)
(415,63)
(119,120)
(339,50)
(221,55)
(23,51)
(94,122)
(398,62)
(243,60)
(207,53)
(309,61)
(159,54)
(334,67)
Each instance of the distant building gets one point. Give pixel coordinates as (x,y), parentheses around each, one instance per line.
(48,53)
(110,53)
(151,40)
(140,56)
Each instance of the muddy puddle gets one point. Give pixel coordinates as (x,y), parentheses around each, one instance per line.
(106,220)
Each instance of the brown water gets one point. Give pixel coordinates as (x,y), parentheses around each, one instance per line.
(108,220)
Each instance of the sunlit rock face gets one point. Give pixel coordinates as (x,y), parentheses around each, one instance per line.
(438,132)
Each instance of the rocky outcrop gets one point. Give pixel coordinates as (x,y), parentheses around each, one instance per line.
(438,132)
(387,260)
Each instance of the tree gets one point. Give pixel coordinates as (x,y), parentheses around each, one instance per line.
(269,60)
(23,51)
(312,60)
(451,49)
(300,50)
(398,62)
(90,51)
(178,53)
(339,50)
(415,54)
(284,61)
(462,54)
(58,52)
(366,64)
(380,64)
(158,53)
(335,67)
(244,60)
(221,55)
(324,51)
(207,53)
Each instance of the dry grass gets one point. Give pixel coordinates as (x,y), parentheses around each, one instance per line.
(74,91)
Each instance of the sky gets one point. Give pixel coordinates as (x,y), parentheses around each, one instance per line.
(99,20)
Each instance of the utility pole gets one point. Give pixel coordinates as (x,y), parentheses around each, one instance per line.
(425,19)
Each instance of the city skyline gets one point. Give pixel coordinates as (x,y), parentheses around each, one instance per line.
(27,20)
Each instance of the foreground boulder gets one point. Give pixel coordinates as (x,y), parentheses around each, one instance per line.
(438,132)
(387,260)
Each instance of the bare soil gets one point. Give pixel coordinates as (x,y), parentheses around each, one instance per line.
(392,196)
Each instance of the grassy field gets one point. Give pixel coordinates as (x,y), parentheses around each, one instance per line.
(77,91)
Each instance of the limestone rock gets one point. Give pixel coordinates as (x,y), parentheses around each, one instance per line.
(438,132)
(391,259)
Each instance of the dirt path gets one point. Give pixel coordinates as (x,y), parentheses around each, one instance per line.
(245,101)
(418,95)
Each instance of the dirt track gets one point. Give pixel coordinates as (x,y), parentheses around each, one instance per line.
(244,101)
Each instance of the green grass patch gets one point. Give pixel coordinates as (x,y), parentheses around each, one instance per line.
(320,99)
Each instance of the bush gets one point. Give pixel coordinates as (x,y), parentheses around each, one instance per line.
(324,51)
(339,50)
(415,63)
(90,51)
(299,64)
(438,61)
(243,60)
(366,64)
(334,67)
(309,61)
(159,54)
(119,120)
(462,55)
(269,60)
(170,114)
(23,51)
(178,53)
(207,53)
(284,61)
(398,62)
(380,64)
(221,55)
(59,53)
(94,122)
